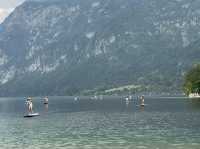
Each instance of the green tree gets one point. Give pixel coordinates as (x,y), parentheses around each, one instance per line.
(192,80)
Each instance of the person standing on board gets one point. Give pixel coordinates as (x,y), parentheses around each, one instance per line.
(46,100)
(142,100)
(29,104)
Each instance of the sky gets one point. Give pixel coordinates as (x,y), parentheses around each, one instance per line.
(7,6)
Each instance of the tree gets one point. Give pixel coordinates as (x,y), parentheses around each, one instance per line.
(192,80)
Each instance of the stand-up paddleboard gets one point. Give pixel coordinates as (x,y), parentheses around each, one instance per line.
(32,115)
(141,105)
(45,103)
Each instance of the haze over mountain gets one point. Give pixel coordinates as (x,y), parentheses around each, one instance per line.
(60,47)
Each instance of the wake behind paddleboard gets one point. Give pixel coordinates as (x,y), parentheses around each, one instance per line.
(32,115)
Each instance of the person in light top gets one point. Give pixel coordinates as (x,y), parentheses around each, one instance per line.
(142,100)
(46,100)
(29,104)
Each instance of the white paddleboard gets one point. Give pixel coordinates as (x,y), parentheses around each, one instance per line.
(32,115)
(141,105)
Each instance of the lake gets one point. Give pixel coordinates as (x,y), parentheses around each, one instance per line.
(164,123)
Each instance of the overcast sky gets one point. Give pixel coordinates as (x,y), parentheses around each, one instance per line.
(6,6)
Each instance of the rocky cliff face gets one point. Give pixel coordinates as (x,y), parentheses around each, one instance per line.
(65,46)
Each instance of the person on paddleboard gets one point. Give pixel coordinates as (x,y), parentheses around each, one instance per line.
(46,100)
(29,104)
(142,100)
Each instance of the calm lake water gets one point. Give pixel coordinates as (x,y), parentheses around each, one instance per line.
(164,123)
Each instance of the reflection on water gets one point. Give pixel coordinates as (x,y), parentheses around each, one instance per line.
(107,123)
(195,102)
(141,108)
(46,107)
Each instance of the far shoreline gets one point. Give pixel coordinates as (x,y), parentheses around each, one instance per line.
(134,96)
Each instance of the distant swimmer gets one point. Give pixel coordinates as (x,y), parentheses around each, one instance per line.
(29,104)
(46,100)
(142,100)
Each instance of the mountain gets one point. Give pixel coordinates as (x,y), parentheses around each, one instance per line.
(64,47)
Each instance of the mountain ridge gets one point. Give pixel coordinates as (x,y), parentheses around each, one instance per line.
(67,47)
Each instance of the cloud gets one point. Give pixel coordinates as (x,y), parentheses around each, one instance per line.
(4,13)
(7,6)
